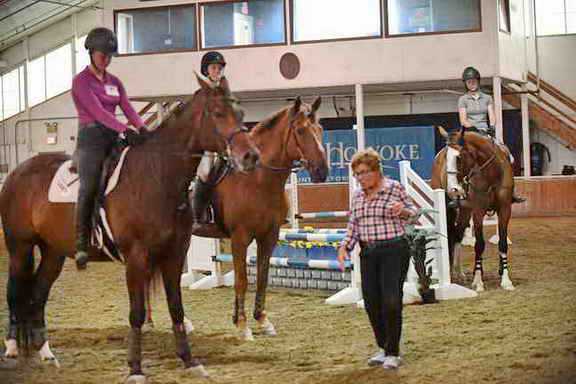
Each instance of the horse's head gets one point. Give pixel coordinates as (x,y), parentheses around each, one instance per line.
(306,132)
(222,125)
(480,166)
(291,135)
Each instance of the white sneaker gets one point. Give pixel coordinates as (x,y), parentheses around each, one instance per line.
(391,362)
(378,358)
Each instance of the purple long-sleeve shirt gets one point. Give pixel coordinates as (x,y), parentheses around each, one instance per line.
(97,99)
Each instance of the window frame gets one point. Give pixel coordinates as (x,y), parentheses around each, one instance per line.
(43,56)
(389,36)
(201,46)
(196,17)
(566,33)
(504,6)
(22,89)
(292,42)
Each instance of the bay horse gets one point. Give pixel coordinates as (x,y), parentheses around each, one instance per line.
(292,134)
(149,230)
(487,177)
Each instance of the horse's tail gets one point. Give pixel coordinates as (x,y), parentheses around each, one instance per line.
(154,280)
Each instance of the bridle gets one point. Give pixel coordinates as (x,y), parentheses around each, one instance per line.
(296,164)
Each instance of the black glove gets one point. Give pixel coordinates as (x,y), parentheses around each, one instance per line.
(133,138)
(491,131)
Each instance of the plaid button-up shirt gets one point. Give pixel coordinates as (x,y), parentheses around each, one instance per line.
(370,220)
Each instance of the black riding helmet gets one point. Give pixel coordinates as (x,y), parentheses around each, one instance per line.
(211,57)
(102,40)
(470,73)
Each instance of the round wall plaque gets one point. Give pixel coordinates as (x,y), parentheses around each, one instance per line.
(289,65)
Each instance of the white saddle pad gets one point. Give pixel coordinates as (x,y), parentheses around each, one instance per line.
(64,185)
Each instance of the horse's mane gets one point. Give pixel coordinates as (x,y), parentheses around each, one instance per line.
(184,107)
(270,122)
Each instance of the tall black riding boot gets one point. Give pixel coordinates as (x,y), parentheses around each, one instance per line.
(200,199)
(83,228)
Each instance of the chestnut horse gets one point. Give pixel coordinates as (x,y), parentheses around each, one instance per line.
(487,177)
(149,231)
(290,135)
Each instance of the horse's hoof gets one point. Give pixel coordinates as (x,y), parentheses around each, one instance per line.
(7,364)
(269,332)
(136,379)
(51,361)
(246,335)
(198,371)
(508,287)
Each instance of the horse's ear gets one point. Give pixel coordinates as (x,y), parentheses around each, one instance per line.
(203,83)
(225,85)
(442,131)
(296,107)
(316,105)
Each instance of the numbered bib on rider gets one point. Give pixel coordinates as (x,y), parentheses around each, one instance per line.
(112,90)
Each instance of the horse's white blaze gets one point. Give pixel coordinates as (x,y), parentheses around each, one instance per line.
(506,283)
(11,348)
(136,379)
(267,328)
(47,355)
(188,326)
(477,283)
(451,170)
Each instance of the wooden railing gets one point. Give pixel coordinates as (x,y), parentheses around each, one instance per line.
(553,91)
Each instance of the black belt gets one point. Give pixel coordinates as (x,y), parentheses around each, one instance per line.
(381,243)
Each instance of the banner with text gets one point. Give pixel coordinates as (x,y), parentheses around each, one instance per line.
(415,144)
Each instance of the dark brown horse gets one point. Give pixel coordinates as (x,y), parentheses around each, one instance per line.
(487,177)
(253,206)
(149,230)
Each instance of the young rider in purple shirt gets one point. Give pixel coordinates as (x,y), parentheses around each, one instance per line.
(96,95)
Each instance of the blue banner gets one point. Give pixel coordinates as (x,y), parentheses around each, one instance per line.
(415,144)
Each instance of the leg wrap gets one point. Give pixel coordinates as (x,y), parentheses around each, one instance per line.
(38,337)
(182,347)
(12,331)
(135,350)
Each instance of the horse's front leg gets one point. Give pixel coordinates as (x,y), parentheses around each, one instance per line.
(477,282)
(503,220)
(136,273)
(171,275)
(265,247)
(239,247)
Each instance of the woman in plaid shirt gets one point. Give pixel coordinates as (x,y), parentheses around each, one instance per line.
(378,214)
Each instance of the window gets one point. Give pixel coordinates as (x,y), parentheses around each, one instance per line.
(50,75)
(231,24)
(82,56)
(555,17)
(36,81)
(408,17)
(161,29)
(12,90)
(504,15)
(58,71)
(315,20)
